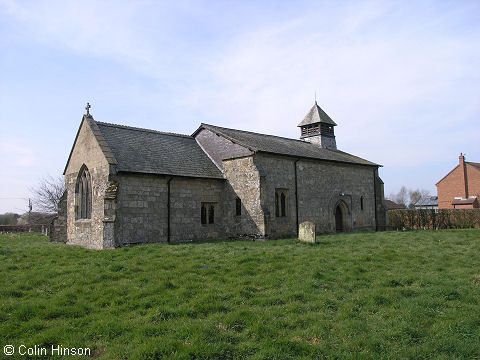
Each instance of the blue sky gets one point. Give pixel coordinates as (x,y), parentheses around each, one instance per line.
(400,78)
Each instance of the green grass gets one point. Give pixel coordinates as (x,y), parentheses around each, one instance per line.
(391,295)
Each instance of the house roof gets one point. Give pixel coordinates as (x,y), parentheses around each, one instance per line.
(283,146)
(316,115)
(428,201)
(475,165)
(390,205)
(154,152)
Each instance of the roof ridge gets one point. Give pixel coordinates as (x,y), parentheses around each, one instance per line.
(255,133)
(142,129)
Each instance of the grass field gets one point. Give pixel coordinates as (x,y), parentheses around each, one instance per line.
(392,295)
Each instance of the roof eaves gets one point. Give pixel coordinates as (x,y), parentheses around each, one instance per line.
(318,159)
(169,174)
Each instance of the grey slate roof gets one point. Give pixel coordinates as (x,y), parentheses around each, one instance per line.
(428,201)
(154,152)
(283,146)
(316,115)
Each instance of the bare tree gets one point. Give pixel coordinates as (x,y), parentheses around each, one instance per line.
(417,195)
(409,197)
(47,194)
(401,197)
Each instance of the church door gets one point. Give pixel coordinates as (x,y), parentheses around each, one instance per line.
(339,219)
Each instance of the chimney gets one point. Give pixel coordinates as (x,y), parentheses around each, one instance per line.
(463,168)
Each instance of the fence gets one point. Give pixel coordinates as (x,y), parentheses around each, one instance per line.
(44,229)
(434,219)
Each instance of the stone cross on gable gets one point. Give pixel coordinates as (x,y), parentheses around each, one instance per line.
(88,109)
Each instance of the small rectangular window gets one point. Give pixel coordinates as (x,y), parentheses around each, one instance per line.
(361,202)
(238,206)
(211,214)
(204,214)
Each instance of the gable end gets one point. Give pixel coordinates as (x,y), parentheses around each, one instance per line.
(107,152)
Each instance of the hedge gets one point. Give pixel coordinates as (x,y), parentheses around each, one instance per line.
(434,219)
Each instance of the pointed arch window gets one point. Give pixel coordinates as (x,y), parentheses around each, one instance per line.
(207,213)
(83,195)
(281,202)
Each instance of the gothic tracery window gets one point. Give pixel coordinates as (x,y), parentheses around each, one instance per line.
(281,202)
(83,195)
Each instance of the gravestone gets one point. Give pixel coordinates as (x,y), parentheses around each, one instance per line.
(306,232)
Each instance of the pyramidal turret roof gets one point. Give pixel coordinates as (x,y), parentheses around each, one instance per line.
(316,115)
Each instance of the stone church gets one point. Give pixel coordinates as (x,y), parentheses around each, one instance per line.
(128,186)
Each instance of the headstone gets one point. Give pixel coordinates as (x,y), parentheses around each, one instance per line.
(306,232)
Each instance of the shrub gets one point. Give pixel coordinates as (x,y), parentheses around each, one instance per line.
(432,219)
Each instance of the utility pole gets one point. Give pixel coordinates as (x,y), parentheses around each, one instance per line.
(29,210)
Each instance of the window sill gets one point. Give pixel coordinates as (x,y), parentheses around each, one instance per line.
(83,221)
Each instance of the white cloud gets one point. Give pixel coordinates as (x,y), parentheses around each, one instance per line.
(15,152)
(400,79)
(395,90)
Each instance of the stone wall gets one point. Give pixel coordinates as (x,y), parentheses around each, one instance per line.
(246,181)
(87,232)
(319,185)
(326,142)
(219,148)
(279,174)
(382,220)
(142,209)
(58,227)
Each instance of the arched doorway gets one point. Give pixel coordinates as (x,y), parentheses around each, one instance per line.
(339,219)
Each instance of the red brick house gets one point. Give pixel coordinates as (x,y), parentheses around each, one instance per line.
(460,188)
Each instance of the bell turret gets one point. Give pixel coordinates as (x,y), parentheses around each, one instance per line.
(317,128)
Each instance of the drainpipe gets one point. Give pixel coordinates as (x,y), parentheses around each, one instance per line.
(375,197)
(464,173)
(296,195)
(168,209)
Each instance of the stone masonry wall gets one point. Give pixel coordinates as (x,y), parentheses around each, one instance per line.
(142,211)
(246,181)
(87,232)
(381,207)
(319,187)
(219,148)
(326,142)
(280,174)
(58,227)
